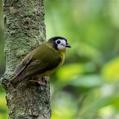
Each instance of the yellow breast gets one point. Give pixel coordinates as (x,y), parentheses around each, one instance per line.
(62,54)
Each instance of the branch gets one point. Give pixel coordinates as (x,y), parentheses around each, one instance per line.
(25,29)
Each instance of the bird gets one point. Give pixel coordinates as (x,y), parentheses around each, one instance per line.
(41,61)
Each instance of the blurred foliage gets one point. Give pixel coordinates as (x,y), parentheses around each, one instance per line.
(86,86)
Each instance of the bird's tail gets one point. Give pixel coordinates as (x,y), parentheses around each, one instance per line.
(15,80)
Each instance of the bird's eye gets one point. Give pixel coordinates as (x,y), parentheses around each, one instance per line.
(58,41)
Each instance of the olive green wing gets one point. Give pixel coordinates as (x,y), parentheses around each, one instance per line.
(25,62)
(46,60)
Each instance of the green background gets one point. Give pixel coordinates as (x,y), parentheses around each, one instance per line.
(87,85)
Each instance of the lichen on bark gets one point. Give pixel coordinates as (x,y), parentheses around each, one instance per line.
(24,30)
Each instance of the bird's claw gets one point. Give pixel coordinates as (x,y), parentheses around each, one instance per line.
(41,81)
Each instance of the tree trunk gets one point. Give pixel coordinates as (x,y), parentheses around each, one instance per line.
(25,29)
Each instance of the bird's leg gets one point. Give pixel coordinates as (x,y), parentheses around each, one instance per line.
(45,79)
(40,80)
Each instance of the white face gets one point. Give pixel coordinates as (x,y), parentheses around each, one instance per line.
(61,44)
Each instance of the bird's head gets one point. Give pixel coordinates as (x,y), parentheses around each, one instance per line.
(59,43)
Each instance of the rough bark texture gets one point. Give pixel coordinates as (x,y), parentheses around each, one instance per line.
(25,29)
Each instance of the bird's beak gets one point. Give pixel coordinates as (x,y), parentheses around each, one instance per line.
(68,46)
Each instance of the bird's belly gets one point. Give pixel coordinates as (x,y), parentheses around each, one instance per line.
(47,73)
(50,71)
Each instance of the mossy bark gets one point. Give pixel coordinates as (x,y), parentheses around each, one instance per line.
(24,30)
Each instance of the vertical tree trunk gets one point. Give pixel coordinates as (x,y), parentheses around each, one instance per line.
(25,29)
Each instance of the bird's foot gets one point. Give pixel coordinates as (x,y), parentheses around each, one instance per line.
(41,81)
(45,79)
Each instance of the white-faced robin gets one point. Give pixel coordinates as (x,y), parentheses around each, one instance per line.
(41,61)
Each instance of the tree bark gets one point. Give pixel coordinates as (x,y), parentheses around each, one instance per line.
(25,29)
